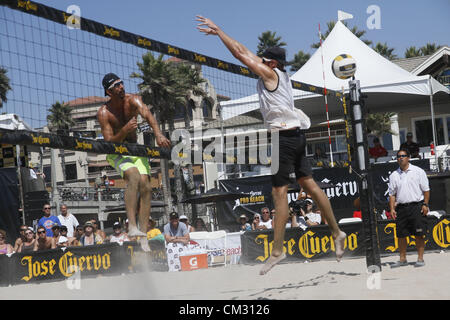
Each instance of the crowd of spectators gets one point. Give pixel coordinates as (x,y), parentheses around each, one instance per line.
(64,230)
(307,215)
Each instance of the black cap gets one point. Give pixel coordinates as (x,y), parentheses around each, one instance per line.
(108,80)
(56,226)
(276,53)
(173,215)
(117,225)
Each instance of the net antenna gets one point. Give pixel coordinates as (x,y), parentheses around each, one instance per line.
(326,101)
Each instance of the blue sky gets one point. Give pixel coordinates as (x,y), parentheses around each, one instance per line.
(403,23)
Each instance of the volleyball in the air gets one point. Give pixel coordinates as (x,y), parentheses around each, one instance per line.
(343,66)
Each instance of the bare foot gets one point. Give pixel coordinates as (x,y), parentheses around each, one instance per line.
(135,232)
(144,244)
(339,243)
(271,262)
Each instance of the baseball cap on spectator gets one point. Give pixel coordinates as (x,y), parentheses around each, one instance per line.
(63,227)
(62,239)
(173,215)
(310,201)
(242,216)
(88,224)
(183,217)
(117,225)
(56,226)
(31,229)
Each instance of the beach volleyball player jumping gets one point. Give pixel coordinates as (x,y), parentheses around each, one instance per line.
(118,121)
(279,113)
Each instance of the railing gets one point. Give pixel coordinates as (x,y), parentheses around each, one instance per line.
(92,194)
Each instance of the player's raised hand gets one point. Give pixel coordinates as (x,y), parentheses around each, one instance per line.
(206,26)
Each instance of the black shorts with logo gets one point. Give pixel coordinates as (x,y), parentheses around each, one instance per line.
(410,220)
(293,163)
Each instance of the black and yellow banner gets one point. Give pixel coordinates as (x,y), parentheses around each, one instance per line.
(316,242)
(110,32)
(58,264)
(41,139)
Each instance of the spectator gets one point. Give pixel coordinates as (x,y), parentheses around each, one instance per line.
(265,223)
(118,236)
(256,221)
(316,210)
(377,150)
(357,211)
(43,242)
(5,248)
(319,155)
(56,229)
(272,214)
(64,232)
(199,225)
(309,218)
(29,244)
(68,220)
(89,237)
(292,220)
(185,220)
(18,242)
(79,232)
(97,229)
(244,225)
(63,242)
(152,230)
(411,146)
(48,220)
(176,232)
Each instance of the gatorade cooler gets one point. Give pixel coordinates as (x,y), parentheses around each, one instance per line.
(194,262)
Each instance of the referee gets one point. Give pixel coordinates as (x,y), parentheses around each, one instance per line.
(409,193)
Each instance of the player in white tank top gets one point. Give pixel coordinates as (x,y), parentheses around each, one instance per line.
(280,114)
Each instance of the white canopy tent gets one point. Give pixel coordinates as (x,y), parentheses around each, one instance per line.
(388,87)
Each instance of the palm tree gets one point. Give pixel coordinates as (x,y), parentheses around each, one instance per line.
(4,85)
(268,39)
(354,30)
(157,89)
(412,52)
(385,51)
(429,48)
(300,59)
(59,121)
(379,123)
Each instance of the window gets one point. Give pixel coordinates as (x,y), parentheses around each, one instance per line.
(424,131)
(387,141)
(71,171)
(48,173)
(207,109)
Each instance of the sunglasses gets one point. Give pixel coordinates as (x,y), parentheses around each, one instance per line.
(402,156)
(47,208)
(27,233)
(39,232)
(115,85)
